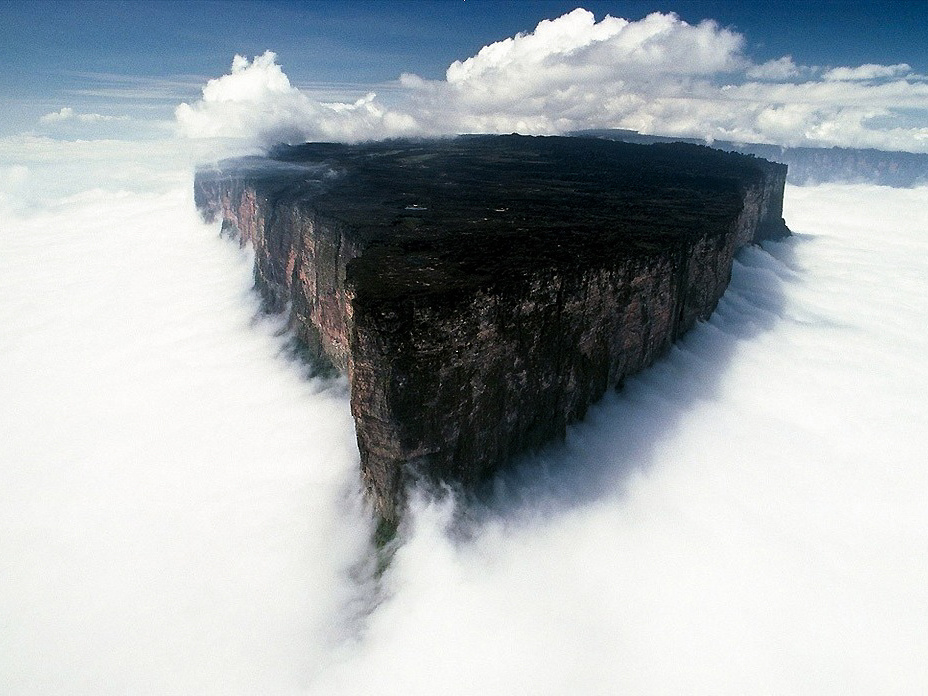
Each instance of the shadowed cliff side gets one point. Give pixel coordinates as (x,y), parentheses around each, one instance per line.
(481,292)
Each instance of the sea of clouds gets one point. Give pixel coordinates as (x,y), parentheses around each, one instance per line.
(180,509)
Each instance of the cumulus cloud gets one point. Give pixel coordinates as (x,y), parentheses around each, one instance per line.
(140,523)
(66,113)
(658,75)
(256,100)
(778,69)
(576,45)
(868,71)
(574,72)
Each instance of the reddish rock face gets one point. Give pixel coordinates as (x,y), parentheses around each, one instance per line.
(480,293)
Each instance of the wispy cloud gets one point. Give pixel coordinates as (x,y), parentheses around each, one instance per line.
(870,71)
(66,113)
(774,70)
(118,86)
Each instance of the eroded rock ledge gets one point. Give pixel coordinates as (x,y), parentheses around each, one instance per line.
(481,292)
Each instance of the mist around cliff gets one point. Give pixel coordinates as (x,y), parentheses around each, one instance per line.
(180,508)
(745,517)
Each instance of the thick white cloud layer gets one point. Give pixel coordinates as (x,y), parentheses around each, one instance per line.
(257,101)
(778,69)
(658,75)
(179,508)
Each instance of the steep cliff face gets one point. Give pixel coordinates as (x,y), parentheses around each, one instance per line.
(481,293)
(300,257)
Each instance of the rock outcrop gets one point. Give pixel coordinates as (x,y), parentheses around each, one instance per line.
(481,292)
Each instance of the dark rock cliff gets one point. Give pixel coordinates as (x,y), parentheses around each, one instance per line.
(481,292)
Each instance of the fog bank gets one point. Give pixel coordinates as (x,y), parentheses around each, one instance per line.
(179,505)
(746,517)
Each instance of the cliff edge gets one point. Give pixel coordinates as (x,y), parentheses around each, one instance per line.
(481,292)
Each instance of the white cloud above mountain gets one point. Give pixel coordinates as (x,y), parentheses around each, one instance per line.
(256,100)
(658,75)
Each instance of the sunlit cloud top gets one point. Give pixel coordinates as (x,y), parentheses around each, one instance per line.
(658,75)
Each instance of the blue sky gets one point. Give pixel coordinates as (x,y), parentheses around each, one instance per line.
(140,59)
(374,41)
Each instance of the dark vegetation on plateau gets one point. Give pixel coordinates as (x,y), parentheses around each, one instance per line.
(479,212)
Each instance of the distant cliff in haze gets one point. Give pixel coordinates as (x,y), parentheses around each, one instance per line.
(809,165)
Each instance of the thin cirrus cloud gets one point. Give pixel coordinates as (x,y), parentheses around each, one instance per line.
(657,75)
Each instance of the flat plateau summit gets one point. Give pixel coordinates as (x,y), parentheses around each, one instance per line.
(481,292)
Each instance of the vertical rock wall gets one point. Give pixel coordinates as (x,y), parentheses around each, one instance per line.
(449,388)
(300,260)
